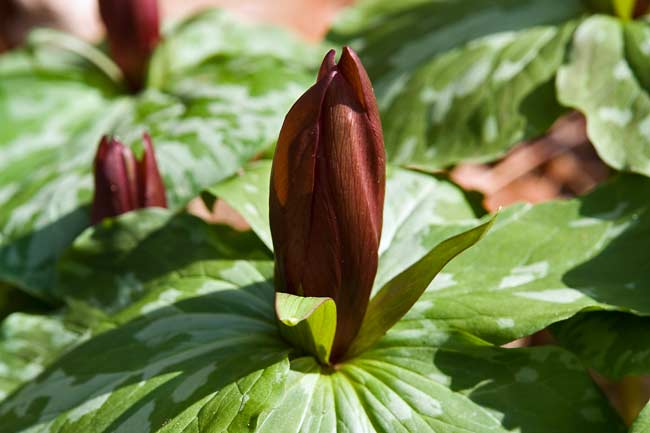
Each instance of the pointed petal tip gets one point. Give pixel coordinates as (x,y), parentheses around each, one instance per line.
(347,50)
(152,187)
(148,142)
(329,63)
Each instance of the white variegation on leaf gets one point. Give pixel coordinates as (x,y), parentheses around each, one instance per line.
(545,263)
(212,363)
(214,106)
(28,344)
(459,80)
(607,79)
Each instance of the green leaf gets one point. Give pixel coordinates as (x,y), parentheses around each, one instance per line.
(28,344)
(607,79)
(214,33)
(309,323)
(642,423)
(248,194)
(13,300)
(148,248)
(612,343)
(460,80)
(210,363)
(475,102)
(545,263)
(213,109)
(397,297)
(394,38)
(197,348)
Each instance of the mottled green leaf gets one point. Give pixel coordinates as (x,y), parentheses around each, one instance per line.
(607,78)
(248,193)
(213,33)
(210,363)
(475,102)
(544,263)
(395,38)
(612,343)
(114,265)
(460,80)
(214,106)
(308,323)
(397,297)
(28,344)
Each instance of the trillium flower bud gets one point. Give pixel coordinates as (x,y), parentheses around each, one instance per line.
(327,194)
(133,30)
(641,8)
(123,183)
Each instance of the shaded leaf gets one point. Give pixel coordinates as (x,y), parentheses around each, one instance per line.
(308,323)
(28,344)
(410,33)
(612,343)
(126,256)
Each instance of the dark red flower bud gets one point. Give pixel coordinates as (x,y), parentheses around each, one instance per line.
(327,193)
(641,8)
(123,183)
(133,29)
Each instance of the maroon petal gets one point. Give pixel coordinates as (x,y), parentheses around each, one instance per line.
(349,195)
(327,194)
(133,30)
(328,64)
(152,187)
(116,188)
(292,184)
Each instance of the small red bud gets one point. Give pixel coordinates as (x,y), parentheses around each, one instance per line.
(133,30)
(327,193)
(122,183)
(641,8)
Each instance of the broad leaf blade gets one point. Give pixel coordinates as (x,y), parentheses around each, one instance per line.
(28,344)
(207,118)
(205,364)
(397,297)
(612,343)
(475,102)
(607,79)
(309,323)
(462,79)
(248,193)
(110,264)
(545,263)
(197,349)
(410,33)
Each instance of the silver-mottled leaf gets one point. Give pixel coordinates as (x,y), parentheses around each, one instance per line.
(210,112)
(607,78)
